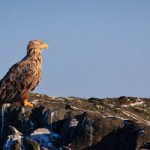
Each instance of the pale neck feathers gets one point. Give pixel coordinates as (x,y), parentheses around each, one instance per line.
(35,55)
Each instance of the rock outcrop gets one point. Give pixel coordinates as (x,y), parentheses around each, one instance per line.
(73,123)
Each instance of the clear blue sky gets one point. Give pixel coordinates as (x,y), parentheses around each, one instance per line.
(97,48)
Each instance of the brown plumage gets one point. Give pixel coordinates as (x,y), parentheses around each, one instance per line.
(23,76)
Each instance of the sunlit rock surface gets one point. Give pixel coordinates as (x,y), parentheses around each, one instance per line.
(58,123)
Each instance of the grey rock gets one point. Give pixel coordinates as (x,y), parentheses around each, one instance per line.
(76,123)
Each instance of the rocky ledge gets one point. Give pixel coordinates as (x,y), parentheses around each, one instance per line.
(58,123)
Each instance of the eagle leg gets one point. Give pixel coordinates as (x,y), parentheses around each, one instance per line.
(27,103)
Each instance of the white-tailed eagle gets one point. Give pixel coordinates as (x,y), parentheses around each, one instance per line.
(23,76)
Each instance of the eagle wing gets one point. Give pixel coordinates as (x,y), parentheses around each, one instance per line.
(21,77)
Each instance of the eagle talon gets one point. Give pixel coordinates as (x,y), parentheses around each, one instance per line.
(27,103)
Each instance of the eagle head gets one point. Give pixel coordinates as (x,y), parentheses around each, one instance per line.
(36,45)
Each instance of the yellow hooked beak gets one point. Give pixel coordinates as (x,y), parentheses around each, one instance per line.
(44,45)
